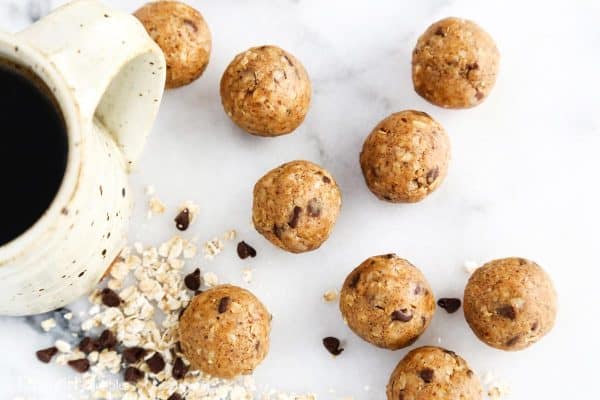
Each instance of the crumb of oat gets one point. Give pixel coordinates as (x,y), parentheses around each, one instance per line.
(149,190)
(470,266)
(62,346)
(247,274)
(210,279)
(48,324)
(138,247)
(330,295)
(230,235)
(212,248)
(498,391)
(68,316)
(155,206)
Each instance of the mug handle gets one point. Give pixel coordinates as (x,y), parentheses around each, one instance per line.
(114,69)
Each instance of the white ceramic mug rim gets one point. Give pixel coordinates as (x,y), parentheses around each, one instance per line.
(16,51)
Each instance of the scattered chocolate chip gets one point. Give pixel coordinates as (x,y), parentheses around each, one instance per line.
(451,305)
(80,365)
(224,304)
(179,368)
(182,220)
(326,179)
(314,208)
(427,375)
(244,250)
(175,396)
(46,355)
(354,280)
(473,66)
(87,345)
(402,315)
(192,280)
(295,217)
(332,345)
(107,340)
(432,175)
(132,374)
(507,311)
(133,354)
(110,298)
(512,341)
(156,363)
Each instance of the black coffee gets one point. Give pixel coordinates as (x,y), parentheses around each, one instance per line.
(33,150)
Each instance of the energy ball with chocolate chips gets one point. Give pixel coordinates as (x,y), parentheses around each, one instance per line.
(433,373)
(224,331)
(266,91)
(387,302)
(405,157)
(296,206)
(455,64)
(510,303)
(183,36)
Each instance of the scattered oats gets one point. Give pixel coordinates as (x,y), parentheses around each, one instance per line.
(330,295)
(247,274)
(470,266)
(498,392)
(95,309)
(62,346)
(230,235)
(189,250)
(138,247)
(93,357)
(210,279)
(48,324)
(155,207)
(149,190)
(212,248)
(68,316)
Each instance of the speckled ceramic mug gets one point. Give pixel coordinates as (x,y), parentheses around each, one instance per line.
(107,77)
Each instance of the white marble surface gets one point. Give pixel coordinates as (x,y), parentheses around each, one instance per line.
(523,181)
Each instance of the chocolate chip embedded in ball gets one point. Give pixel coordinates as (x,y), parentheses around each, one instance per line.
(387,301)
(510,303)
(455,64)
(182,34)
(433,373)
(296,206)
(266,91)
(405,157)
(224,332)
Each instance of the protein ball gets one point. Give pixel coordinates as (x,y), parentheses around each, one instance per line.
(510,303)
(296,205)
(224,332)
(455,64)
(387,301)
(433,373)
(266,91)
(182,34)
(405,157)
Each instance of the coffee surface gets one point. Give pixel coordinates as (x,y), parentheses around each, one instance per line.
(33,150)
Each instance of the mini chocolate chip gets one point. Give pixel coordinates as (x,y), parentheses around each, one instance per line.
(534,326)
(354,280)
(295,217)
(46,355)
(512,341)
(192,280)
(418,289)
(175,396)
(440,32)
(479,95)
(110,298)
(80,365)
(133,354)
(107,340)
(453,354)
(402,315)
(123,192)
(427,375)
(507,311)
(326,179)
(473,66)
(277,231)
(224,304)
(244,250)
(87,345)
(469,373)
(132,374)
(156,363)
(288,60)
(179,368)
(432,175)
(257,345)
(314,208)
(182,220)
(451,305)
(332,345)
(389,256)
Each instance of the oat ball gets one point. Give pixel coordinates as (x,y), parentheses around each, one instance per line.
(182,34)
(405,157)
(455,64)
(387,302)
(266,91)
(510,303)
(433,373)
(224,331)
(296,206)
